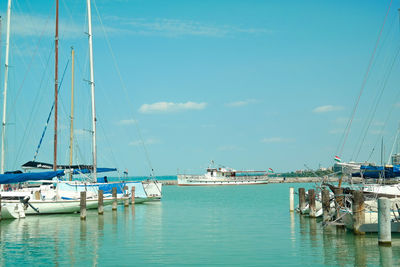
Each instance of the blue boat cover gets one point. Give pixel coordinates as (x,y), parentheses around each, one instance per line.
(79,171)
(389,171)
(29,176)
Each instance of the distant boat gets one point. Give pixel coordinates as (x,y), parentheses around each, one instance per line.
(224,176)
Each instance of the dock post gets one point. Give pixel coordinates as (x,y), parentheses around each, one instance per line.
(100,207)
(133,195)
(291,199)
(358,212)
(326,204)
(114,195)
(83,205)
(302,199)
(384,224)
(311,202)
(126,200)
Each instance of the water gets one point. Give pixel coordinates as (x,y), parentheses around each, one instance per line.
(227,225)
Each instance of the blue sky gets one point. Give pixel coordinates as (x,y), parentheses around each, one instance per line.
(248,84)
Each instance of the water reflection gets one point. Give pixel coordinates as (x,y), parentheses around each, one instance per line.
(342,247)
(386,256)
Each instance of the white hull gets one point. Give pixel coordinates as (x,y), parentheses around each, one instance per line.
(38,207)
(11,211)
(198,180)
(370,218)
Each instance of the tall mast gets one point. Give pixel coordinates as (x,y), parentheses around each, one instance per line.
(56,92)
(71,141)
(3,129)
(92,91)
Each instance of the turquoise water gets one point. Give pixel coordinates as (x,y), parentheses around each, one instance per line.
(227,225)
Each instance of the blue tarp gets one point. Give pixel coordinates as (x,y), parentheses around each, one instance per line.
(79,171)
(378,171)
(29,176)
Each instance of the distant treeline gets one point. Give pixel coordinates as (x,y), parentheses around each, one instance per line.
(317,173)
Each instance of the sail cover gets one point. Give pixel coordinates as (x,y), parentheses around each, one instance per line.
(77,168)
(387,171)
(79,171)
(30,176)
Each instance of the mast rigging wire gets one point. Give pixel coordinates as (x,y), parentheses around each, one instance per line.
(348,126)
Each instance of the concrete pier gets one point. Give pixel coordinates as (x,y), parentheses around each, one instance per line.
(126,200)
(302,199)
(83,205)
(384,222)
(133,195)
(311,202)
(114,195)
(291,199)
(358,212)
(100,207)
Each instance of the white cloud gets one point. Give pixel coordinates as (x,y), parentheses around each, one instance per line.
(176,27)
(377,132)
(341,120)
(336,131)
(168,107)
(149,141)
(127,122)
(240,103)
(276,140)
(327,108)
(228,148)
(25,25)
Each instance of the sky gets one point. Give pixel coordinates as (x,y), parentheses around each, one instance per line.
(248,84)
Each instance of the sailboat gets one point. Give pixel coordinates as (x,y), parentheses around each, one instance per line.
(144,191)
(46,200)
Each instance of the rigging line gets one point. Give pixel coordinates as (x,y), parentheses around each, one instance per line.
(387,119)
(378,100)
(108,141)
(394,144)
(364,81)
(36,99)
(387,59)
(125,90)
(20,87)
(48,118)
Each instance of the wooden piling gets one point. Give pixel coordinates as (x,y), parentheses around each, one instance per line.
(326,205)
(358,212)
(384,223)
(114,195)
(83,205)
(302,199)
(339,198)
(291,199)
(126,200)
(100,207)
(133,195)
(311,202)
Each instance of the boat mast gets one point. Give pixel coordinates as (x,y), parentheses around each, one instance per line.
(92,92)
(72,112)
(3,130)
(56,92)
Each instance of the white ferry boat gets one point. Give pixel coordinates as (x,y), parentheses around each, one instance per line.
(224,176)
